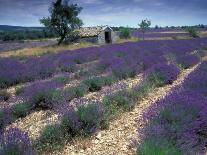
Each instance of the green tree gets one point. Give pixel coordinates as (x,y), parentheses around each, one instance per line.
(144,25)
(63,18)
(125,33)
(192,31)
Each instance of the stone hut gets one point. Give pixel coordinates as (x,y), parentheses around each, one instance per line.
(98,34)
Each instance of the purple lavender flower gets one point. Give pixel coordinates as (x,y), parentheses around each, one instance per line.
(162,73)
(14,141)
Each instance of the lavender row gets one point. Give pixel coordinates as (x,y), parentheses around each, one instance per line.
(177,124)
(159,35)
(137,54)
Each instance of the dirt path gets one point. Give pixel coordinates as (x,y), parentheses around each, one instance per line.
(35,122)
(116,140)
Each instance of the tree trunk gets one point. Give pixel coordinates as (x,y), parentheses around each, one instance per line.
(61,40)
(143,35)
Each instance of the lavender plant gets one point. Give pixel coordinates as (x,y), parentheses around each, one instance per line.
(179,118)
(16,142)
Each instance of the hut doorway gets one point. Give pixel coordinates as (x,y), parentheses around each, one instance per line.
(107,37)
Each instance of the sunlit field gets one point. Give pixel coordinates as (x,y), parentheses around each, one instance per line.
(65,97)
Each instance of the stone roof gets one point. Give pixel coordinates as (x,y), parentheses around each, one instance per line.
(90,31)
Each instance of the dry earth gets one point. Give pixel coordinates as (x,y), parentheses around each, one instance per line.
(117,140)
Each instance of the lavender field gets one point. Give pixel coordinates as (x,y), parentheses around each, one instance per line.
(15,45)
(70,98)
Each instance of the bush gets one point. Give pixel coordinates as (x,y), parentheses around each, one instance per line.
(91,116)
(156,78)
(51,137)
(187,61)
(22,109)
(86,120)
(125,33)
(62,79)
(177,115)
(142,90)
(16,142)
(124,71)
(70,123)
(1,118)
(192,31)
(96,83)
(157,146)
(123,99)
(4,95)
(120,101)
(162,74)
(108,80)
(67,66)
(75,92)
(46,99)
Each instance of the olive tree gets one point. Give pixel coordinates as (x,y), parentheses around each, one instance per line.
(63,18)
(144,25)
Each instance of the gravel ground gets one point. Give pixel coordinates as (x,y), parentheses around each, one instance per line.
(117,139)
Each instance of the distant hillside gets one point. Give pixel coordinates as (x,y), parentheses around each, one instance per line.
(19,28)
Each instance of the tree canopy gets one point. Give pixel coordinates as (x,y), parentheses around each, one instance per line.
(144,25)
(63,18)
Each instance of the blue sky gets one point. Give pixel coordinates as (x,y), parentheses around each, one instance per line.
(110,12)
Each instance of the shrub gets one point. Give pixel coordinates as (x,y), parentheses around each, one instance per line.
(75,92)
(156,78)
(157,146)
(86,120)
(179,117)
(125,33)
(47,99)
(62,79)
(192,31)
(187,61)
(67,66)
(118,102)
(91,116)
(6,117)
(16,142)
(123,99)
(96,83)
(124,73)
(51,137)
(109,80)
(1,118)
(142,90)
(4,95)
(22,109)
(161,74)
(70,123)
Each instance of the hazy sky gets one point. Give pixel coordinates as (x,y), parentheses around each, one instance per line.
(110,12)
